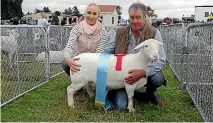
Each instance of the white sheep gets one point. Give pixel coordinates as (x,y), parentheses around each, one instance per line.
(9,45)
(55,56)
(115,79)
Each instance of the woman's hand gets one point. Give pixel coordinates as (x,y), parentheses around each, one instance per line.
(74,67)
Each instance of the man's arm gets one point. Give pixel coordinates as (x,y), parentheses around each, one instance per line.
(158,65)
(135,74)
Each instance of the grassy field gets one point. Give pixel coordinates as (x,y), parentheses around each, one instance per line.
(49,104)
(28,75)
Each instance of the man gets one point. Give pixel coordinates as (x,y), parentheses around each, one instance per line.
(15,21)
(124,41)
(55,20)
(42,21)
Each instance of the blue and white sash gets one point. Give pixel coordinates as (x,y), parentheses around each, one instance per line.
(101,80)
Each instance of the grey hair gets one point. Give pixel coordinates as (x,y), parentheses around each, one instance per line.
(138,5)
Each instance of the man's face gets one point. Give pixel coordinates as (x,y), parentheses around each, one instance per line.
(137,19)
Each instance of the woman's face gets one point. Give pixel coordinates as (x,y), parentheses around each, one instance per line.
(92,15)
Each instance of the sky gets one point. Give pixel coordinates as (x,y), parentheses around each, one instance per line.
(163,8)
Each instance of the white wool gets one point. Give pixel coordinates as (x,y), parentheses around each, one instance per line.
(88,71)
(9,45)
(55,56)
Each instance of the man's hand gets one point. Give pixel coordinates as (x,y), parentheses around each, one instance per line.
(134,75)
(74,67)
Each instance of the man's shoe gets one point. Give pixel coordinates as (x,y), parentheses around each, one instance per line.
(157,101)
(145,97)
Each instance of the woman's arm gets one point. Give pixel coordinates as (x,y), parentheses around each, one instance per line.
(70,49)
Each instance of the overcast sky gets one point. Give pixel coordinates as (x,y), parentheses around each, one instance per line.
(171,8)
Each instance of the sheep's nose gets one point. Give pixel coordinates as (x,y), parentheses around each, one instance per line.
(156,57)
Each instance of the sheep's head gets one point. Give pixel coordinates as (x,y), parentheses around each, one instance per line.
(13,32)
(150,49)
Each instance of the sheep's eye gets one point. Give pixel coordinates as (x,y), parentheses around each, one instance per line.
(146,45)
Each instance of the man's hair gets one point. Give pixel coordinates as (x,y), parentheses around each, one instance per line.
(138,5)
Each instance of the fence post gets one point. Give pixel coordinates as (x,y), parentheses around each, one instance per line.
(47,60)
(185,65)
(17,60)
(198,72)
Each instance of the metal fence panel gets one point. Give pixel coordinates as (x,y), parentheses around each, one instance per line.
(199,72)
(189,52)
(58,37)
(24,72)
(173,40)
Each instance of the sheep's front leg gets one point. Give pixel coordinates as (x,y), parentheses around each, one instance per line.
(130,93)
(75,86)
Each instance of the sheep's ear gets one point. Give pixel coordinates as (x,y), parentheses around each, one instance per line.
(160,43)
(139,46)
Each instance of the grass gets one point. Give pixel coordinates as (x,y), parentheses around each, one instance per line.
(49,104)
(31,73)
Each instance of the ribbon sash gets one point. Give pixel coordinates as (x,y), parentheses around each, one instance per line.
(118,65)
(101,80)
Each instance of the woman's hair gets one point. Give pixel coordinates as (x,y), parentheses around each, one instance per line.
(96,5)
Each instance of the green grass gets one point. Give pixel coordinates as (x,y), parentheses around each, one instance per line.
(31,73)
(49,104)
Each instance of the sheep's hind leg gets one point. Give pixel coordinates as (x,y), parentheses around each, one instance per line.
(130,93)
(75,86)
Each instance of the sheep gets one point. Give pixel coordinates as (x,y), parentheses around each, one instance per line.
(115,80)
(55,56)
(9,45)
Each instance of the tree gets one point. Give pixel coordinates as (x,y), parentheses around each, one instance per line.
(46,9)
(5,10)
(37,10)
(11,9)
(68,11)
(119,11)
(75,11)
(28,13)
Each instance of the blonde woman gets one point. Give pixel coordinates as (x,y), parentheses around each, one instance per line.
(87,36)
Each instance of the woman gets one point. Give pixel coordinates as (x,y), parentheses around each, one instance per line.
(87,36)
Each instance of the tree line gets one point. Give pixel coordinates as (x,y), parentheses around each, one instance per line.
(70,11)
(11,9)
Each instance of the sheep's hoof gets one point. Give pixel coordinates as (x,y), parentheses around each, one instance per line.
(132,110)
(71,106)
